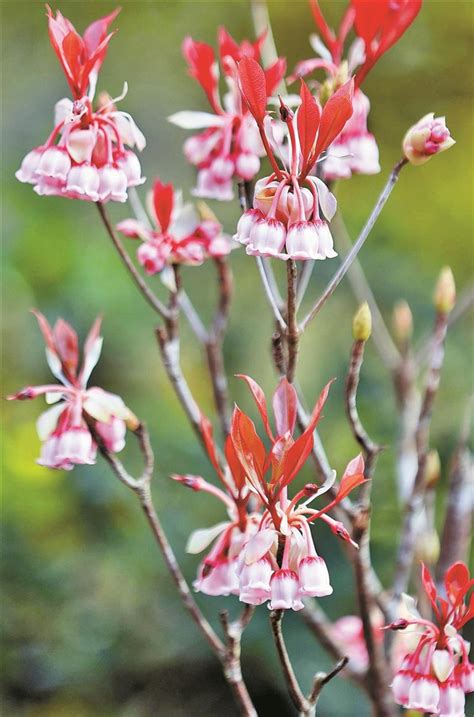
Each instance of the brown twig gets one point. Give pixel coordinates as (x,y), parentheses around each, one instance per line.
(306,705)
(145,290)
(228,653)
(458,519)
(377,670)
(414,505)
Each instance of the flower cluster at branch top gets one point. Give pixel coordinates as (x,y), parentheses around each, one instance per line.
(288,219)
(436,674)
(85,156)
(378,26)
(230,147)
(64,428)
(265,552)
(182,234)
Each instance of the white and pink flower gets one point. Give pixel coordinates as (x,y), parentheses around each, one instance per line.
(63,428)
(429,136)
(181,233)
(229,147)
(86,155)
(265,552)
(436,674)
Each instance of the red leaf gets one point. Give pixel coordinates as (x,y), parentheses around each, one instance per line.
(97,31)
(429,585)
(369,18)
(235,466)
(249,449)
(74,56)
(308,117)
(65,339)
(295,457)
(285,403)
(253,87)
(274,75)
(45,329)
(208,438)
(259,398)
(163,198)
(227,45)
(456,582)
(335,114)
(326,33)
(316,414)
(203,67)
(353,476)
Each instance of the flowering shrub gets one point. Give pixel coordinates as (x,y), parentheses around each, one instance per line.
(264,552)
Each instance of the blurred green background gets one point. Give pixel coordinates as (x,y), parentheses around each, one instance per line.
(91,623)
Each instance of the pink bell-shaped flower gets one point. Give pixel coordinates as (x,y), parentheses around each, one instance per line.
(314,577)
(113,434)
(220,579)
(424,694)
(255,582)
(83,182)
(247,165)
(75,445)
(302,241)
(284,591)
(245,225)
(451,700)
(54,163)
(267,238)
(113,184)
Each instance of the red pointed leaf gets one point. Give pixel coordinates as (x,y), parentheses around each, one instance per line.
(203,67)
(249,449)
(274,75)
(428,584)
(259,398)
(208,438)
(335,114)
(456,581)
(307,119)
(227,45)
(326,33)
(316,414)
(295,457)
(97,31)
(73,52)
(285,403)
(353,477)
(45,329)
(67,347)
(163,199)
(235,466)
(253,87)
(369,18)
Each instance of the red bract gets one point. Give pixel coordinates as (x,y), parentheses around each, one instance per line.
(182,234)
(267,553)
(80,57)
(380,24)
(229,148)
(436,675)
(289,205)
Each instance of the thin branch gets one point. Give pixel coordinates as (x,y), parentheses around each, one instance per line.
(322,678)
(376,679)
(293,333)
(148,294)
(382,339)
(269,294)
(458,519)
(193,317)
(409,531)
(231,662)
(351,256)
(303,281)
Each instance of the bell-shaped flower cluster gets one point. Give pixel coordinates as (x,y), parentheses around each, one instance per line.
(229,148)
(64,429)
(265,552)
(178,233)
(377,27)
(291,207)
(436,674)
(86,155)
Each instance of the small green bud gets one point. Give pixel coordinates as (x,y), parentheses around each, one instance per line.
(444,296)
(402,322)
(432,468)
(362,323)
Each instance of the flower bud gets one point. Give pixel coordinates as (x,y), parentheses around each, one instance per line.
(427,137)
(362,323)
(432,469)
(444,296)
(402,322)
(427,547)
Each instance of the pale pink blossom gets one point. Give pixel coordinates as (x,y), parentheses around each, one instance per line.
(429,136)
(63,429)
(182,234)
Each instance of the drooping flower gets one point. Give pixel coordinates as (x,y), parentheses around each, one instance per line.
(291,206)
(229,148)
(378,25)
(429,136)
(266,552)
(348,633)
(436,674)
(182,234)
(85,157)
(67,440)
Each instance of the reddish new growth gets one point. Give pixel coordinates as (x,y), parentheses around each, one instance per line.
(288,220)
(266,552)
(229,148)
(436,675)
(85,156)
